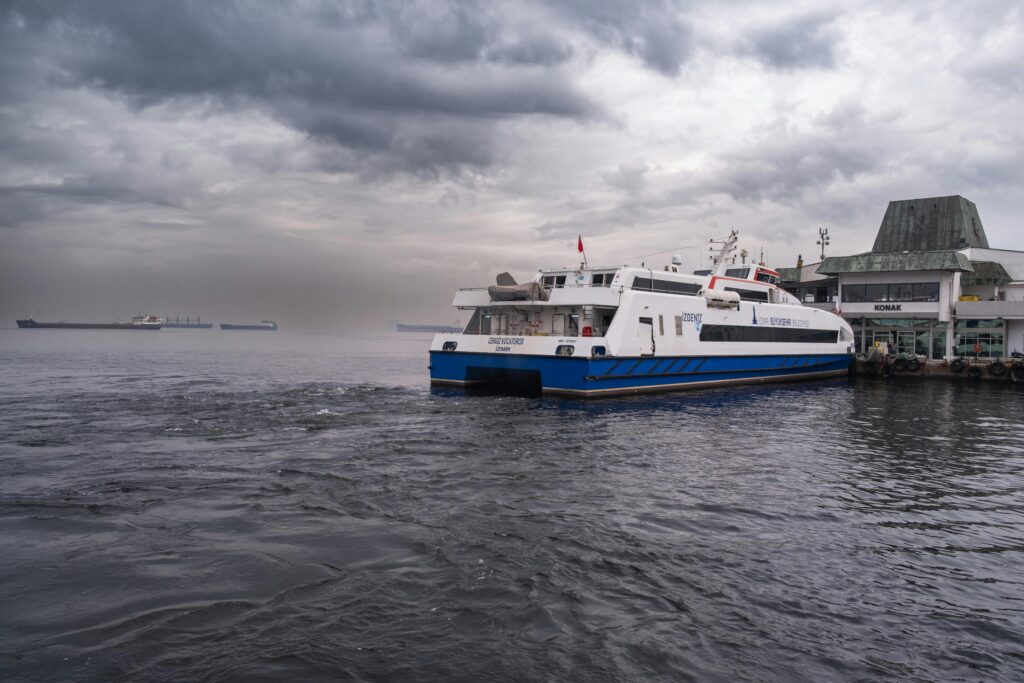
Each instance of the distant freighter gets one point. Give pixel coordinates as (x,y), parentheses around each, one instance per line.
(266,325)
(449,329)
(139,322)
(187,323)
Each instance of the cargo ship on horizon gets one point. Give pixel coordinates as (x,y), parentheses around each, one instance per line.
(139,322)
(188,323)
(266,325)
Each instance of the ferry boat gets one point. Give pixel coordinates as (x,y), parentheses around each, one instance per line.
(591,332)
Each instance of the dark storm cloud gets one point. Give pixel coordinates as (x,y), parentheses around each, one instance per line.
(395,82)
(800,42)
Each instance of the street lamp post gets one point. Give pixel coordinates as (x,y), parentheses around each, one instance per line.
(823,241)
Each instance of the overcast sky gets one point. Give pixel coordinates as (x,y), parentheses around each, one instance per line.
(340,164)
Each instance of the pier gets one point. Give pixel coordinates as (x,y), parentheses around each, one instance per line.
(1009,371)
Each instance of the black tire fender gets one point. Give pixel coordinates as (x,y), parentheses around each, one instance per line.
(887,371)
(913,365)
(997,369)
(974,372)
(899,364)
(1017,373)
(957,365)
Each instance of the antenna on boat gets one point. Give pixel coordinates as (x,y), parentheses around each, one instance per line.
(728,246)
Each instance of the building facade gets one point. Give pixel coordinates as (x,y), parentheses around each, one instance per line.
(930,285)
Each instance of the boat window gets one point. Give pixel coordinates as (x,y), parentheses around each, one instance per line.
(741,273)
(765,277)
(659,286)
(485,323)
(603,279)
(558,323)
(473,326)
(702,271)
(573,328)
(744,333)
(679,325)
(554,281)
(749,294)
(661,326)
(602,320)
(499,324)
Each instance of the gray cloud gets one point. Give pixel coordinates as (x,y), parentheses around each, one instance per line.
(376,80)
(805,41)
(657,31)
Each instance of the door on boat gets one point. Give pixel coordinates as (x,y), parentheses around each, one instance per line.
(645,335)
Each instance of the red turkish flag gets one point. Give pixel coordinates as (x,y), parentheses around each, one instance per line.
(579,243)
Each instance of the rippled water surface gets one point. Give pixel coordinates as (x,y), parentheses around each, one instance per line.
(187,504)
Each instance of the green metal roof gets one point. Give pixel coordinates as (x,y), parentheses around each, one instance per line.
(986,273)
(930,224)
(894,263)
(788,274)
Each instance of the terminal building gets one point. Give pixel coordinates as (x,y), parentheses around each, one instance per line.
(931,284)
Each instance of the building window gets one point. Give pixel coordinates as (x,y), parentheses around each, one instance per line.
(980,339)
(902,292)
(926,291)
(853,294)
(876,293)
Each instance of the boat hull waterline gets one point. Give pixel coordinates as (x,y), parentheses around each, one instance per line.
(595,377)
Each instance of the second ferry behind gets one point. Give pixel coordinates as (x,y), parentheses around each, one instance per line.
(603,331)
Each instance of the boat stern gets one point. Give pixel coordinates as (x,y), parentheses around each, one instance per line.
(533,364)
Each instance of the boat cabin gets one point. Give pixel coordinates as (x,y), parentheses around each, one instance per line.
(583,302)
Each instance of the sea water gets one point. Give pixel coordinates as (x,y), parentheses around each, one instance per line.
(196,504)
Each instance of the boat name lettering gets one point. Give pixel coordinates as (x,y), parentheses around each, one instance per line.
(506,341)
(773,321)
(693,317)
(888,307)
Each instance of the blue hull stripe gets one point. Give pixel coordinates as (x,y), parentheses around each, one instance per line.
(624,375)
